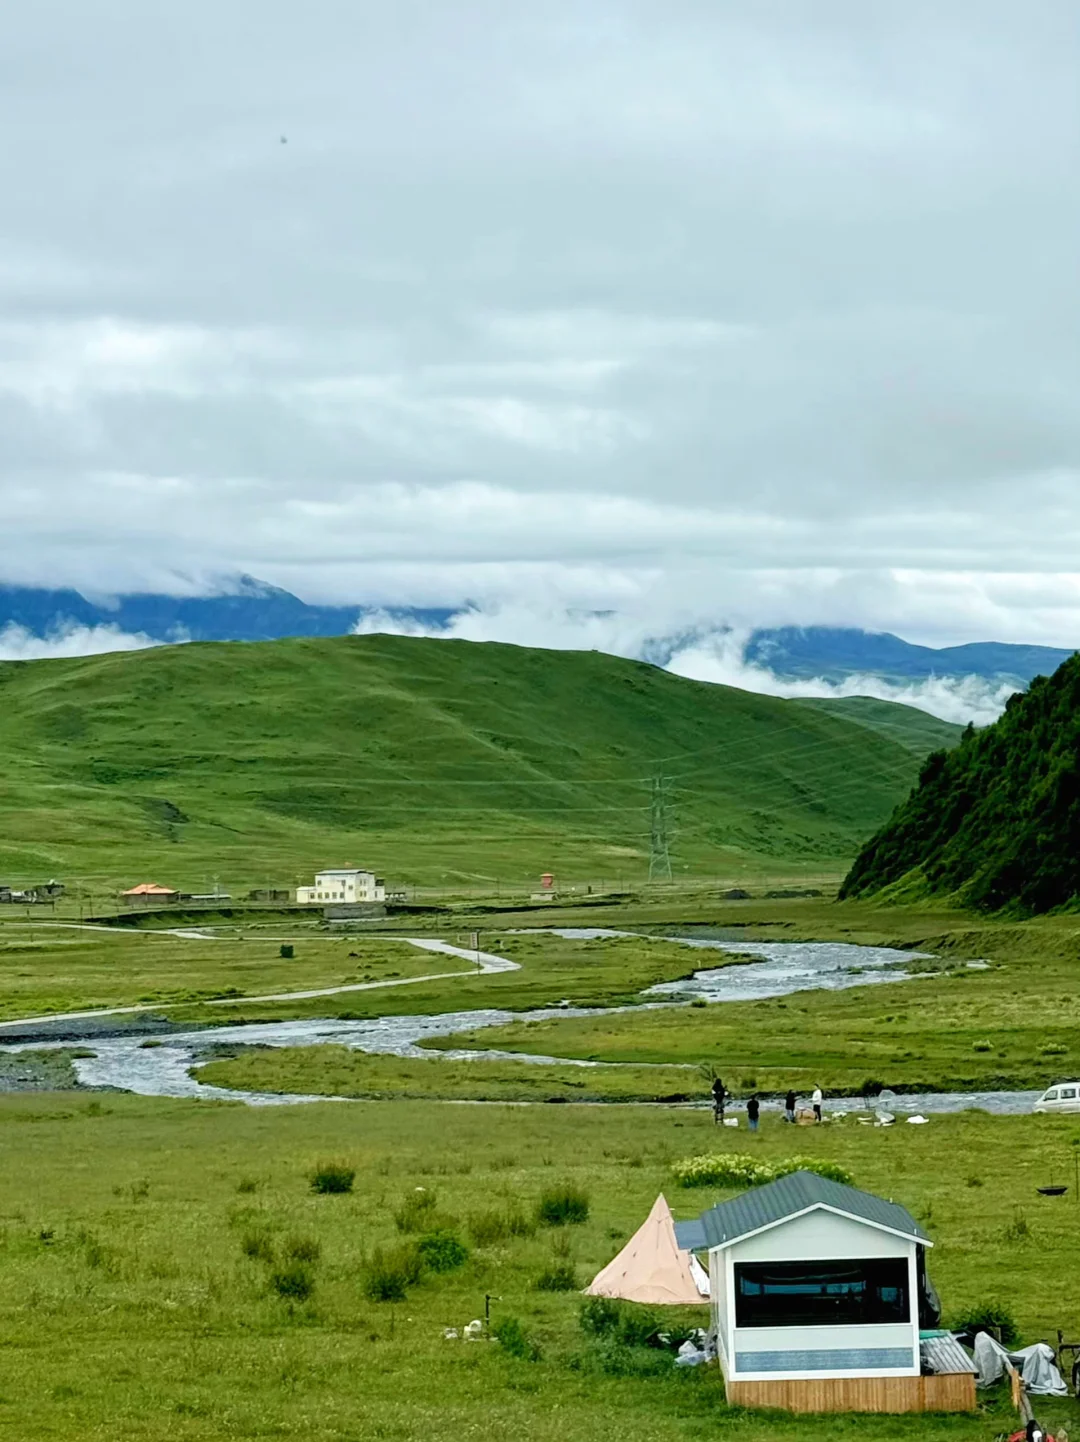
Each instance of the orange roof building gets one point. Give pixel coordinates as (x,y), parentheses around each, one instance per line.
(150,888)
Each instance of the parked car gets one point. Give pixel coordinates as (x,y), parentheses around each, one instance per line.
(1061,1097)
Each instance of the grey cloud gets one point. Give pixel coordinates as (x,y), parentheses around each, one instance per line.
(691,302)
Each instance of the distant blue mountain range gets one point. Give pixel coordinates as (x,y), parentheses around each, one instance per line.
(255,611)
(802,652)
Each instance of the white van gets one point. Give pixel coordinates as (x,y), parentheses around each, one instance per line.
(1061,1097)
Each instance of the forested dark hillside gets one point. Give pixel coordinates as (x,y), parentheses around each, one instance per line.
(997,819)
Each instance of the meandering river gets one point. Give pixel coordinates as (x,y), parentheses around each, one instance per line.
(159,1064)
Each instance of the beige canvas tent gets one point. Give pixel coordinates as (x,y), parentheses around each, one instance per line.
(650,1268)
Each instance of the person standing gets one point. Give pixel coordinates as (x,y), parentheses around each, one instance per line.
(753,1107)
(815,1102)
(789,1108)
(719,1096)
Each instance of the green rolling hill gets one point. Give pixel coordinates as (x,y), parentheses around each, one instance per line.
(996,821)
(437,762)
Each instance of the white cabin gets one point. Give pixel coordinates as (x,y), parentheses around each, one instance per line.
(342,887)
(816,1291)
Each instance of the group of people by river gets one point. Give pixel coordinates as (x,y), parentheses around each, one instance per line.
(721,1096)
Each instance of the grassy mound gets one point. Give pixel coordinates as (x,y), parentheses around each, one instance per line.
(433,761)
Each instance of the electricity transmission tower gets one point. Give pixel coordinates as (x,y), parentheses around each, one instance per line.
(659,832)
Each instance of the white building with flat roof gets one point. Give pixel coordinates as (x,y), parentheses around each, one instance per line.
(343,887)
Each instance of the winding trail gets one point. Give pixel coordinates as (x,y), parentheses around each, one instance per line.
(485,963)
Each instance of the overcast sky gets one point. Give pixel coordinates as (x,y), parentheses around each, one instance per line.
(760,312)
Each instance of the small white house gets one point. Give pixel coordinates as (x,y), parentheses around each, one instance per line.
(816,1290)
(343,887)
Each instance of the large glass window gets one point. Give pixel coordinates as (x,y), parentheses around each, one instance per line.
(805,1294)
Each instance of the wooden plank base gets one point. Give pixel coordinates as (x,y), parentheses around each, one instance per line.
(953,1392)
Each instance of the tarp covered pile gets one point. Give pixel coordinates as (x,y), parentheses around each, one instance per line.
(1035,1364)
(651,1268)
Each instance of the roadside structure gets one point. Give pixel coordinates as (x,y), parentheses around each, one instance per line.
(819,1292)
(148,893)
(351,887)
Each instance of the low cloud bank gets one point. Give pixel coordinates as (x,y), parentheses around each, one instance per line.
(19,644)
(713,653)
(952,698)
(701,653)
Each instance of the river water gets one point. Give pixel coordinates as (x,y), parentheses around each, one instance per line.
(158,1064)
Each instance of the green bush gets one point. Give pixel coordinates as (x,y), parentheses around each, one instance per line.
(989,1316)
(558,1277)
(562,1206)
(388,1274)
(303,1249)
(736,1169)
(332,1177)
(638,1325)
(295,1281)
(419,1212)
(258,1244)
(286,951)
(514,1340)
(247,1185)
(442,1251)
(599,1316)
(627,1323)
(498,1223)
(615,1359)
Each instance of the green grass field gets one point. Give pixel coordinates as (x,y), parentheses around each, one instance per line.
(436,762)
(45,968)
(139,1241)
(337,1071)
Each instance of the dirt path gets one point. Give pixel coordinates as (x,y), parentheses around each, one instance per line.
(484,963)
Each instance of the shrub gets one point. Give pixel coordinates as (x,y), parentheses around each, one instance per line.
(699,1001)
(871,1087)
(514,1340)
(330,1177)
(989,1316)
(303,1249)
(558,1277)
(487,1228)
(981,1046)
(247,1185)
(295,1281)
(389,1274)
(562,1206)
(442,1251)
(599,1316)
(615,1359)
(1053,1048)
(627,1323)
(259,1246)
(736,1169)
(419,1212)
(286,951)
(638,1325)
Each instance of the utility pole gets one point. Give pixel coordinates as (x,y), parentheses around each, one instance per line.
(659,831)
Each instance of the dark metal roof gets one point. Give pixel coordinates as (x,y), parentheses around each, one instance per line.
(763,1206)
(691,1236)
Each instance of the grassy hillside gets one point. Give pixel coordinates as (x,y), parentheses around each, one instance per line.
(997,820)
(432,761)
